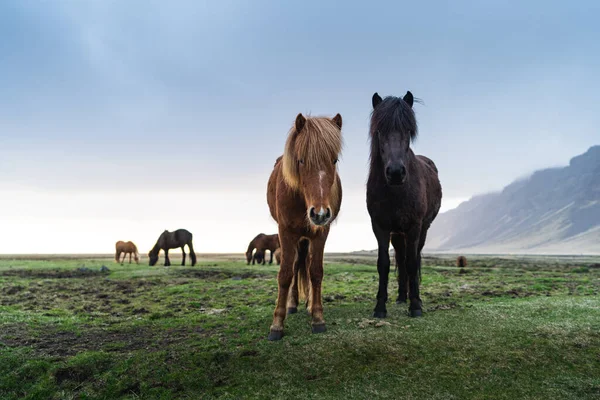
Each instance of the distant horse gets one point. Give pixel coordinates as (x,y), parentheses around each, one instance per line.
(278,256)
(461,262)
(403,198)
(262,243)
(172,240)
(304,194)
(126,248)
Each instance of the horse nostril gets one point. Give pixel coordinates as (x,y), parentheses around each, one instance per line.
(328,213)
(312,213)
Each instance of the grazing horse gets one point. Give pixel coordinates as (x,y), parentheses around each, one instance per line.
(403,198)
(304,194)
(262,243)
(461,262)
(172,240)
(278,256)
(126,248)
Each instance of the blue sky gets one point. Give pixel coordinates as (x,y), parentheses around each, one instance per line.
(128,101)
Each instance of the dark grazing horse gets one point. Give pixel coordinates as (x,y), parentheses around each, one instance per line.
(172,240)
(461,262)
(262,243)
(403,198)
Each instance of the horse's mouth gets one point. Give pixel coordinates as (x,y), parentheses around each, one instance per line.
(395,182)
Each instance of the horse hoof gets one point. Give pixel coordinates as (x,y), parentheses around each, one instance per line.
(292,310)
(275,335)
(380,314)
(416,313)
(401,301)
(319,328)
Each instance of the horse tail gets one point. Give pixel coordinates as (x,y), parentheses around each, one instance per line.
(302,281)
(136,252)
(192,253)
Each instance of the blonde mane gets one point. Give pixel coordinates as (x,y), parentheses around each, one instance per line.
(318,142)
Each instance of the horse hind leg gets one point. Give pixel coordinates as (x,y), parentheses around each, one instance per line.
(299,280)
(399,243)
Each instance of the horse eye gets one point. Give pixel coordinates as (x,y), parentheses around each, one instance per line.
(301,161)
(335,161)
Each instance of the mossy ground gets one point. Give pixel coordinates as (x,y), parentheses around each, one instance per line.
(505,328)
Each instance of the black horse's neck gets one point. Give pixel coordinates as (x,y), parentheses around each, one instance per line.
(155,249)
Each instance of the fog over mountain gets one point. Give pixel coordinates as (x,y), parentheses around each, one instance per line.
(553,211)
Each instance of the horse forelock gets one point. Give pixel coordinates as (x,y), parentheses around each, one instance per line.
(394,115)
(320,142)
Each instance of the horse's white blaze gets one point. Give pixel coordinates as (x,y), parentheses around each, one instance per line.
(321,176)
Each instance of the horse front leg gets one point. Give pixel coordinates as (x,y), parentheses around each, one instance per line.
(383,269)
(317,247)
(129,258)
(399,243)
(413,267)
(284,281)
(182,256)
(271,260)
(167,261)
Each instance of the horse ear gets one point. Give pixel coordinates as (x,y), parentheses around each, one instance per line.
(300,121)
(376,100)
(408,98)
(338,120)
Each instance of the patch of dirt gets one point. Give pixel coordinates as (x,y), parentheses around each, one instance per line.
(57,343)
(53,273)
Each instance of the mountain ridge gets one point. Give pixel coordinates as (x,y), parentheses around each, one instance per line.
(552,211)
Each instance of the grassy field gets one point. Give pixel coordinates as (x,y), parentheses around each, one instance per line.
(503,328)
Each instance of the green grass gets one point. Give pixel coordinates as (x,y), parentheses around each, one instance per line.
(503,328)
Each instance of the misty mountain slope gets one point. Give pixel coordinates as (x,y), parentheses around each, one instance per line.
(556,210)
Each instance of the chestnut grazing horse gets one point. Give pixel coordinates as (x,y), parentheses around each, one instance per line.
(403,198)
(126,248)
(304,194)
(172,240)
(262,243)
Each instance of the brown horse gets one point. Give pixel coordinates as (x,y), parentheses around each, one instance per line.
(126,248)
(461,262)
(262,243)
(403,198)
(172,240)
(304,194)
(278,256)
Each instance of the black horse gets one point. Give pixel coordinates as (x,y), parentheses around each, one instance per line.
(403,198)
(172,240)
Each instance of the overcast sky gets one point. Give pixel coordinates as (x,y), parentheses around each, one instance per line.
(119,119)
